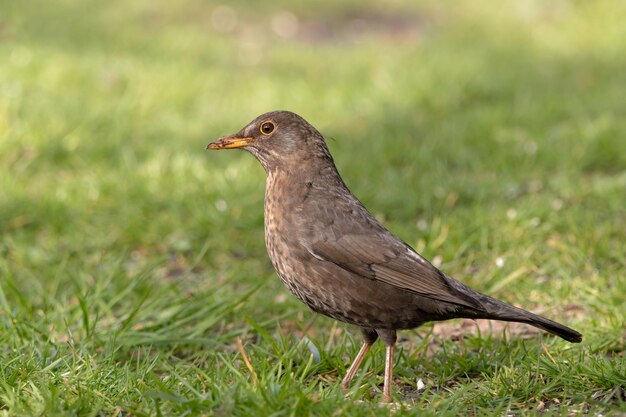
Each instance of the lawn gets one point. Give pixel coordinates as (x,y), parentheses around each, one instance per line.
(133,274)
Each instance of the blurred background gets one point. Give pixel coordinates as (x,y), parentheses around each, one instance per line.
(488,135)
(102,101)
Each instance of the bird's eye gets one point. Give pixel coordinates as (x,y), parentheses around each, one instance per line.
(267,128)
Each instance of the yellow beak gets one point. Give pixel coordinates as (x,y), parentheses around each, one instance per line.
(229,142)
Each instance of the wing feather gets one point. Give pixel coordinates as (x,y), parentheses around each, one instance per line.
(384,257)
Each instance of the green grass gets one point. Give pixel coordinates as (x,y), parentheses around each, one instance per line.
(131,260)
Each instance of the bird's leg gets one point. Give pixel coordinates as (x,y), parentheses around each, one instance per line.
(388,374)
(345,383)
(369,337)
(389,338)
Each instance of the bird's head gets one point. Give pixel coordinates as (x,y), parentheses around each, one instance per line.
(280,140)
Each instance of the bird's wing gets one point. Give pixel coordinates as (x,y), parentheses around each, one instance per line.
(379,255)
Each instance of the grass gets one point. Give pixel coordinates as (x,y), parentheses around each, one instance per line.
(491,138)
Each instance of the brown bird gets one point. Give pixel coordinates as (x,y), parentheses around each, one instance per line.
(339,260)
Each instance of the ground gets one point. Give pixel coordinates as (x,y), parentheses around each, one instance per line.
(133,275)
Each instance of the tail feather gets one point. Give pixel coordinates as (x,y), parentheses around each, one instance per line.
(498,310)
(548,325)
(507,312)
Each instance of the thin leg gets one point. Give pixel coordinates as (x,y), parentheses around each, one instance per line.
(369,337)
(345,383)
(388,336)
(388,374)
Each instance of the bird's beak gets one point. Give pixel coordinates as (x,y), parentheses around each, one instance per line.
(229,142)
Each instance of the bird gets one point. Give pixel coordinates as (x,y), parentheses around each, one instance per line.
(333,255)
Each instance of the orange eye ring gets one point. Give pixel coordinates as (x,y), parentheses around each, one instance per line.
(267,127)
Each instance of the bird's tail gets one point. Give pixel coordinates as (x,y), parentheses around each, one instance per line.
(498,310)
(512,313)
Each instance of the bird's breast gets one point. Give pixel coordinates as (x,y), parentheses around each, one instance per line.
(280,228)
(286,219)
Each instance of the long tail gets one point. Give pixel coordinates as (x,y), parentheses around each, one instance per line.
(498,310)
(510,313)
